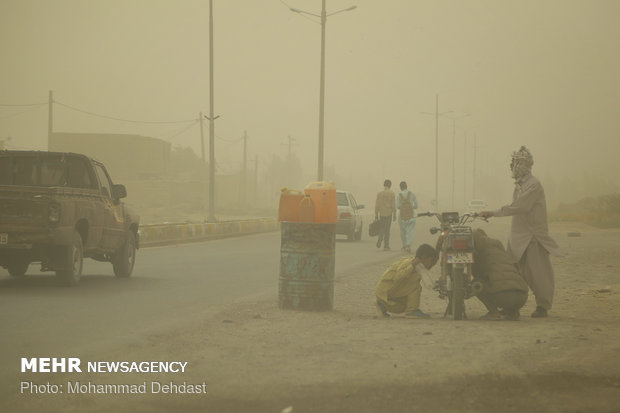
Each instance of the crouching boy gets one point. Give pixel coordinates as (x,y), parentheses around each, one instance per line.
(503,287)
(399,289)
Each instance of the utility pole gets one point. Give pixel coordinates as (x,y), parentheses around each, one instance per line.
(323,18)
(465,170)
(322,92)
(50,119)
(244,185)
(454,154)
(437,151)
(202,140)
(453,159)
(437,114)
(256,178)
(475,150)
(211,118)
(289,159)
(290,145)
(202,157)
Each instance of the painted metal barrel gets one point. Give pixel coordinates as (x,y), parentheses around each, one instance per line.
(307,266)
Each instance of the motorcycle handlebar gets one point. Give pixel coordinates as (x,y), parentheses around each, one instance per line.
(438,215)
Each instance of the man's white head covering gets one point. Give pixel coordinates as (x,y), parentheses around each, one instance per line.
(522,161)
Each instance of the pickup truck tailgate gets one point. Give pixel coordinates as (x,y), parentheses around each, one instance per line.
(19,207)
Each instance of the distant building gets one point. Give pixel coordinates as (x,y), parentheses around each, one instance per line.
(127,157)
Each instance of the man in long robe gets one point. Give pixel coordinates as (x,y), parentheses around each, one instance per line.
(529,243)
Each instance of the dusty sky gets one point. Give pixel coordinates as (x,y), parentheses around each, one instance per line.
(545,74)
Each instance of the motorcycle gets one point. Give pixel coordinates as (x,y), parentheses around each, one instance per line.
(456,246)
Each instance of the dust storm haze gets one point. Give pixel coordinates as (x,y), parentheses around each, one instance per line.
(543,74)
(123,73)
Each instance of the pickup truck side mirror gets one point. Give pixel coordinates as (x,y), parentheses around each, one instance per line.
(119,191)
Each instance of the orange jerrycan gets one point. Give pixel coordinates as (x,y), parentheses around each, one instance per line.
(325,204)
(306,209)
(289,205)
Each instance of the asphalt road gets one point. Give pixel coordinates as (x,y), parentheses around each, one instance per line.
(39,318)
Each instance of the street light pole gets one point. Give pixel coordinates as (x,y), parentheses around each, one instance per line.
(474,174)
(323,18)
(437,115)
(322,93)
(244,177)
(211,118)
(454,118)
(50,119)
(465,169)
(453,158)
(437,151)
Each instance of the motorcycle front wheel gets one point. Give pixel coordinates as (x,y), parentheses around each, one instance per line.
(457,295)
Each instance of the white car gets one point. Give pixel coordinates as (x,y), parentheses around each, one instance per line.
(350,221)
(476,205)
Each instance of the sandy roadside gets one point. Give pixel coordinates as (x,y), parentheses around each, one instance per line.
(254,357)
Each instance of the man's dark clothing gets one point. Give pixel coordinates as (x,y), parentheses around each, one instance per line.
(384,234)
(385,209)
(510,301)
(504,287)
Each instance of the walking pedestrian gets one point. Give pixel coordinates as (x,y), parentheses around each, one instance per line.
(406,203)
(385,212)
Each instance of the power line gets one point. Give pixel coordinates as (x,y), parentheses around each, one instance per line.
(19,113)
(25,104)
(121,119)
(181,131)
(231,141)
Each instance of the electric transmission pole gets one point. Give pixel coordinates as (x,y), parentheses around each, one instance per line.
(244,176)
(50,119)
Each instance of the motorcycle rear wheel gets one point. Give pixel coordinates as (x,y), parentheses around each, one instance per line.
(457,295)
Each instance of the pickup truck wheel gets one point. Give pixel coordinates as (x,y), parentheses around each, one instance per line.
(124,259)
(18,267)
(73,262)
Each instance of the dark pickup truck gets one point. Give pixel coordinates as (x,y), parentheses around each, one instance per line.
(57,208)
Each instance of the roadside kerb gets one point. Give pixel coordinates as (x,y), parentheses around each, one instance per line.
(165,234)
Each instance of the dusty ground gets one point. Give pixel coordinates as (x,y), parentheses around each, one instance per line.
(257,358)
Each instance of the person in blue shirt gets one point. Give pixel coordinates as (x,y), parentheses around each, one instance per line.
(406,203)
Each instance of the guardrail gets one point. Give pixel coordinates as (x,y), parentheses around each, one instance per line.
(165,234)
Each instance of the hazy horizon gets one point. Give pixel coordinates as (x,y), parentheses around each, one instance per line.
(543,74)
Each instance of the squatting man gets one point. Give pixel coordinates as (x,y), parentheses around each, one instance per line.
(399,289)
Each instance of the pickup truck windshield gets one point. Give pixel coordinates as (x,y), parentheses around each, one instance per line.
(35,170)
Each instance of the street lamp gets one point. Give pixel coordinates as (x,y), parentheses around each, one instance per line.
(454,118)
(437,115)
(323,16)
(211,118)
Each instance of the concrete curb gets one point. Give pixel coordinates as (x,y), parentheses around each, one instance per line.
(166,234)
